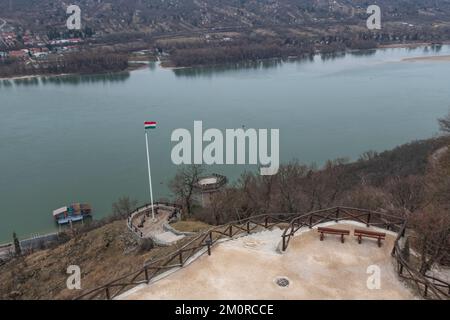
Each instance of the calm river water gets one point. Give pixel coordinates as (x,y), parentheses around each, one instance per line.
(81,139)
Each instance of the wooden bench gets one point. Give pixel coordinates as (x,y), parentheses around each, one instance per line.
(369,234)
(340,232)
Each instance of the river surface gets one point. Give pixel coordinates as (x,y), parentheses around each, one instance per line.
(81,138)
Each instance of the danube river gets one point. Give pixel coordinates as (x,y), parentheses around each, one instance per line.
(81,139)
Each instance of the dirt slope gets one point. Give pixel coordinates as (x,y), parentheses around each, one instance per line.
(102,254)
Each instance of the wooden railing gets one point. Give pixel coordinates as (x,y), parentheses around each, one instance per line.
(200,244)
(146,209)
(221,181)
(428,286)
(336,214)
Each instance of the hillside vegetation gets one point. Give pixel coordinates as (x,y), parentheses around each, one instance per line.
(103,254)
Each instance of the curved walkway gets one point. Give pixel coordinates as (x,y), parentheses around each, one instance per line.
(141,224)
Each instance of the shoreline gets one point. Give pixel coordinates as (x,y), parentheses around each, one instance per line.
(405,45)
(33,76)
(445,58)
(138,65)
(134,65)
(387,46)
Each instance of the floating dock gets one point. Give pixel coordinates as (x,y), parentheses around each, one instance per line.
(73,213)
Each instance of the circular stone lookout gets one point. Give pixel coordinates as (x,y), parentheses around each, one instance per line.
(209,185)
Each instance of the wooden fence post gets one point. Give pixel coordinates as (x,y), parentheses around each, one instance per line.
(425,293)
(403,232)
(266,222)
(108,296)
(310,221)
(181,258)
(368,219)
(284,243)
(231,230)
(208,243)
(248,226)
(337,214)
(146,274)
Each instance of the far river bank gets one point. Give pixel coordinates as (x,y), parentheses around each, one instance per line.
(136,64)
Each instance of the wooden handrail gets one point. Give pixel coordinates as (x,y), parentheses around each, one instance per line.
(159,264)
(205,240)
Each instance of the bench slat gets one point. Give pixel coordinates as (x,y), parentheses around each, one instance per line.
(369,233)
(333,231)
(340,232)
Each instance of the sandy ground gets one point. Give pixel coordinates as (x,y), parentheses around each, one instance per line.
(406,45)
(433,58)
(247,268)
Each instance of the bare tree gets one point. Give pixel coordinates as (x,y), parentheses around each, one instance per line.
(444,124)
(123,206)
(367,197)
(432,224)
(250,187)
(290,177)
(183,185)
(408,193)
(432,228)
(17,248)
(219,209)
(368,155)
(438,180)
(326,186)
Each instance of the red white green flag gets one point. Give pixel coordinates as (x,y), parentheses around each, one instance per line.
(150,125)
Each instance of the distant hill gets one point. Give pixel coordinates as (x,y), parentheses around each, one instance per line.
(160,16)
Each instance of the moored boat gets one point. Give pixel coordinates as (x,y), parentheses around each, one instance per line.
(72,213)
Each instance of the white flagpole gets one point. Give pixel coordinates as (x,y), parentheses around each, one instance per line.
(149,174)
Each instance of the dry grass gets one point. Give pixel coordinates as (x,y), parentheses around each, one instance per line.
(190,226)
(103,254)
(432,58)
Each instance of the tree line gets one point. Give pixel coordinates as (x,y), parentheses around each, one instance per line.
(79,63)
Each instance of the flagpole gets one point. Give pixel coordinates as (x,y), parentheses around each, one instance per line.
(149,174)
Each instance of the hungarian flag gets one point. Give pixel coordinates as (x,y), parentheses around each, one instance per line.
(150,125)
